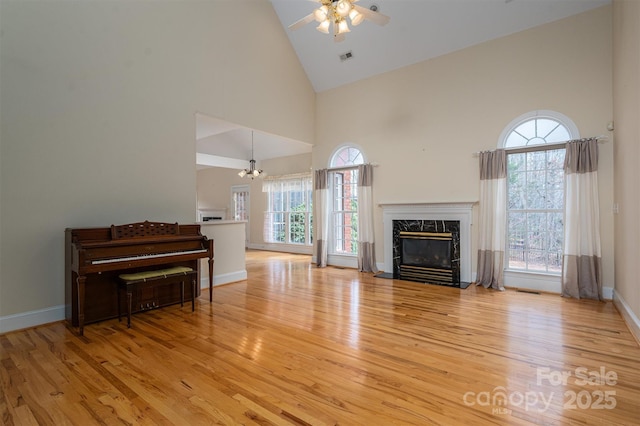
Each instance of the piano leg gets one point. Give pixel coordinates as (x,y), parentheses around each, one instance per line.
(193,294)
(80,283)
(119,304)
(129,303)
(211,279)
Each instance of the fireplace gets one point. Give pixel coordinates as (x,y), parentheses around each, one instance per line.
(427,251)
(426,256)
(439,228)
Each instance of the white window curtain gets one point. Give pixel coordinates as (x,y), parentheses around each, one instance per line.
(492,219)
(268,227)
(287,183)
(582,258)
(366,244)
(282,185)
(321,216)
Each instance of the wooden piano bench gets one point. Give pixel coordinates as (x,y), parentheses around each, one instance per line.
(128,283)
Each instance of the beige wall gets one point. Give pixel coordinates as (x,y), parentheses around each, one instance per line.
(229,258)
(213,187)
(626,92)
(214,190)
(422,123)
(98,104)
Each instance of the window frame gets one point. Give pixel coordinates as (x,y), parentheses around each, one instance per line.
(236,191)
(538,114)
(573,132)
(333,169)
(343,217)
(286,210)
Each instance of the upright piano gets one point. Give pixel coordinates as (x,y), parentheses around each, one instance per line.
(94,257)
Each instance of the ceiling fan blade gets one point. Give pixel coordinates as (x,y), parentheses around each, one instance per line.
(302,22)
(372,16)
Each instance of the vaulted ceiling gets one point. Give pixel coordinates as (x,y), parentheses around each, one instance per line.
(418,30)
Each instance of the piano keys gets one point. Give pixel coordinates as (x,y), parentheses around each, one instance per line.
(94,257)
(147,256)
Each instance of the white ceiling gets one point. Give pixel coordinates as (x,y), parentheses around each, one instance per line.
(223,144)
(418,30)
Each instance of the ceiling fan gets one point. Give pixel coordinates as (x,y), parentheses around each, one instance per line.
(335,12)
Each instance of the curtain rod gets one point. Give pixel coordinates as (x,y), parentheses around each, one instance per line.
(333,169)
(600,139)
(289,176)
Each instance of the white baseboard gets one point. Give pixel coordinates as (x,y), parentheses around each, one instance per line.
(31,319)
(628,315)
(343,262)
(541,282)
(57,313)
(284,248)
(533,282)
(227,278)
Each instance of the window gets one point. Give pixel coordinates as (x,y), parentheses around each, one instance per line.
(240,200)
(288,217)
(240,206)
(343,178)
(535,190)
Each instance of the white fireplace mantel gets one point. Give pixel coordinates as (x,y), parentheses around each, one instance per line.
(460,211)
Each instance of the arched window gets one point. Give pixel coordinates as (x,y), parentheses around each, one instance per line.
(346,156)
(535,190)
(343,178)
(538,128)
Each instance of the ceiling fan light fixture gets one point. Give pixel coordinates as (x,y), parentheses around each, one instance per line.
(356,17)
(321,13)
(343,8)
(242,173)
(324,26)
(332,17)
(343,27)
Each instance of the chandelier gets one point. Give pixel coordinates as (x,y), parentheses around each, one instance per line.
(251,172)
(336,12)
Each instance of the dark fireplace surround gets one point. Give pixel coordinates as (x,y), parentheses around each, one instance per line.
(427,251)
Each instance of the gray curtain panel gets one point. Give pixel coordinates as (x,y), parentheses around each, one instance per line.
(582,257)
(321,215)
(492,219)
(366,244)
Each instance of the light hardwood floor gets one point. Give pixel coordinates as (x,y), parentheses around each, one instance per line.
(298,345)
